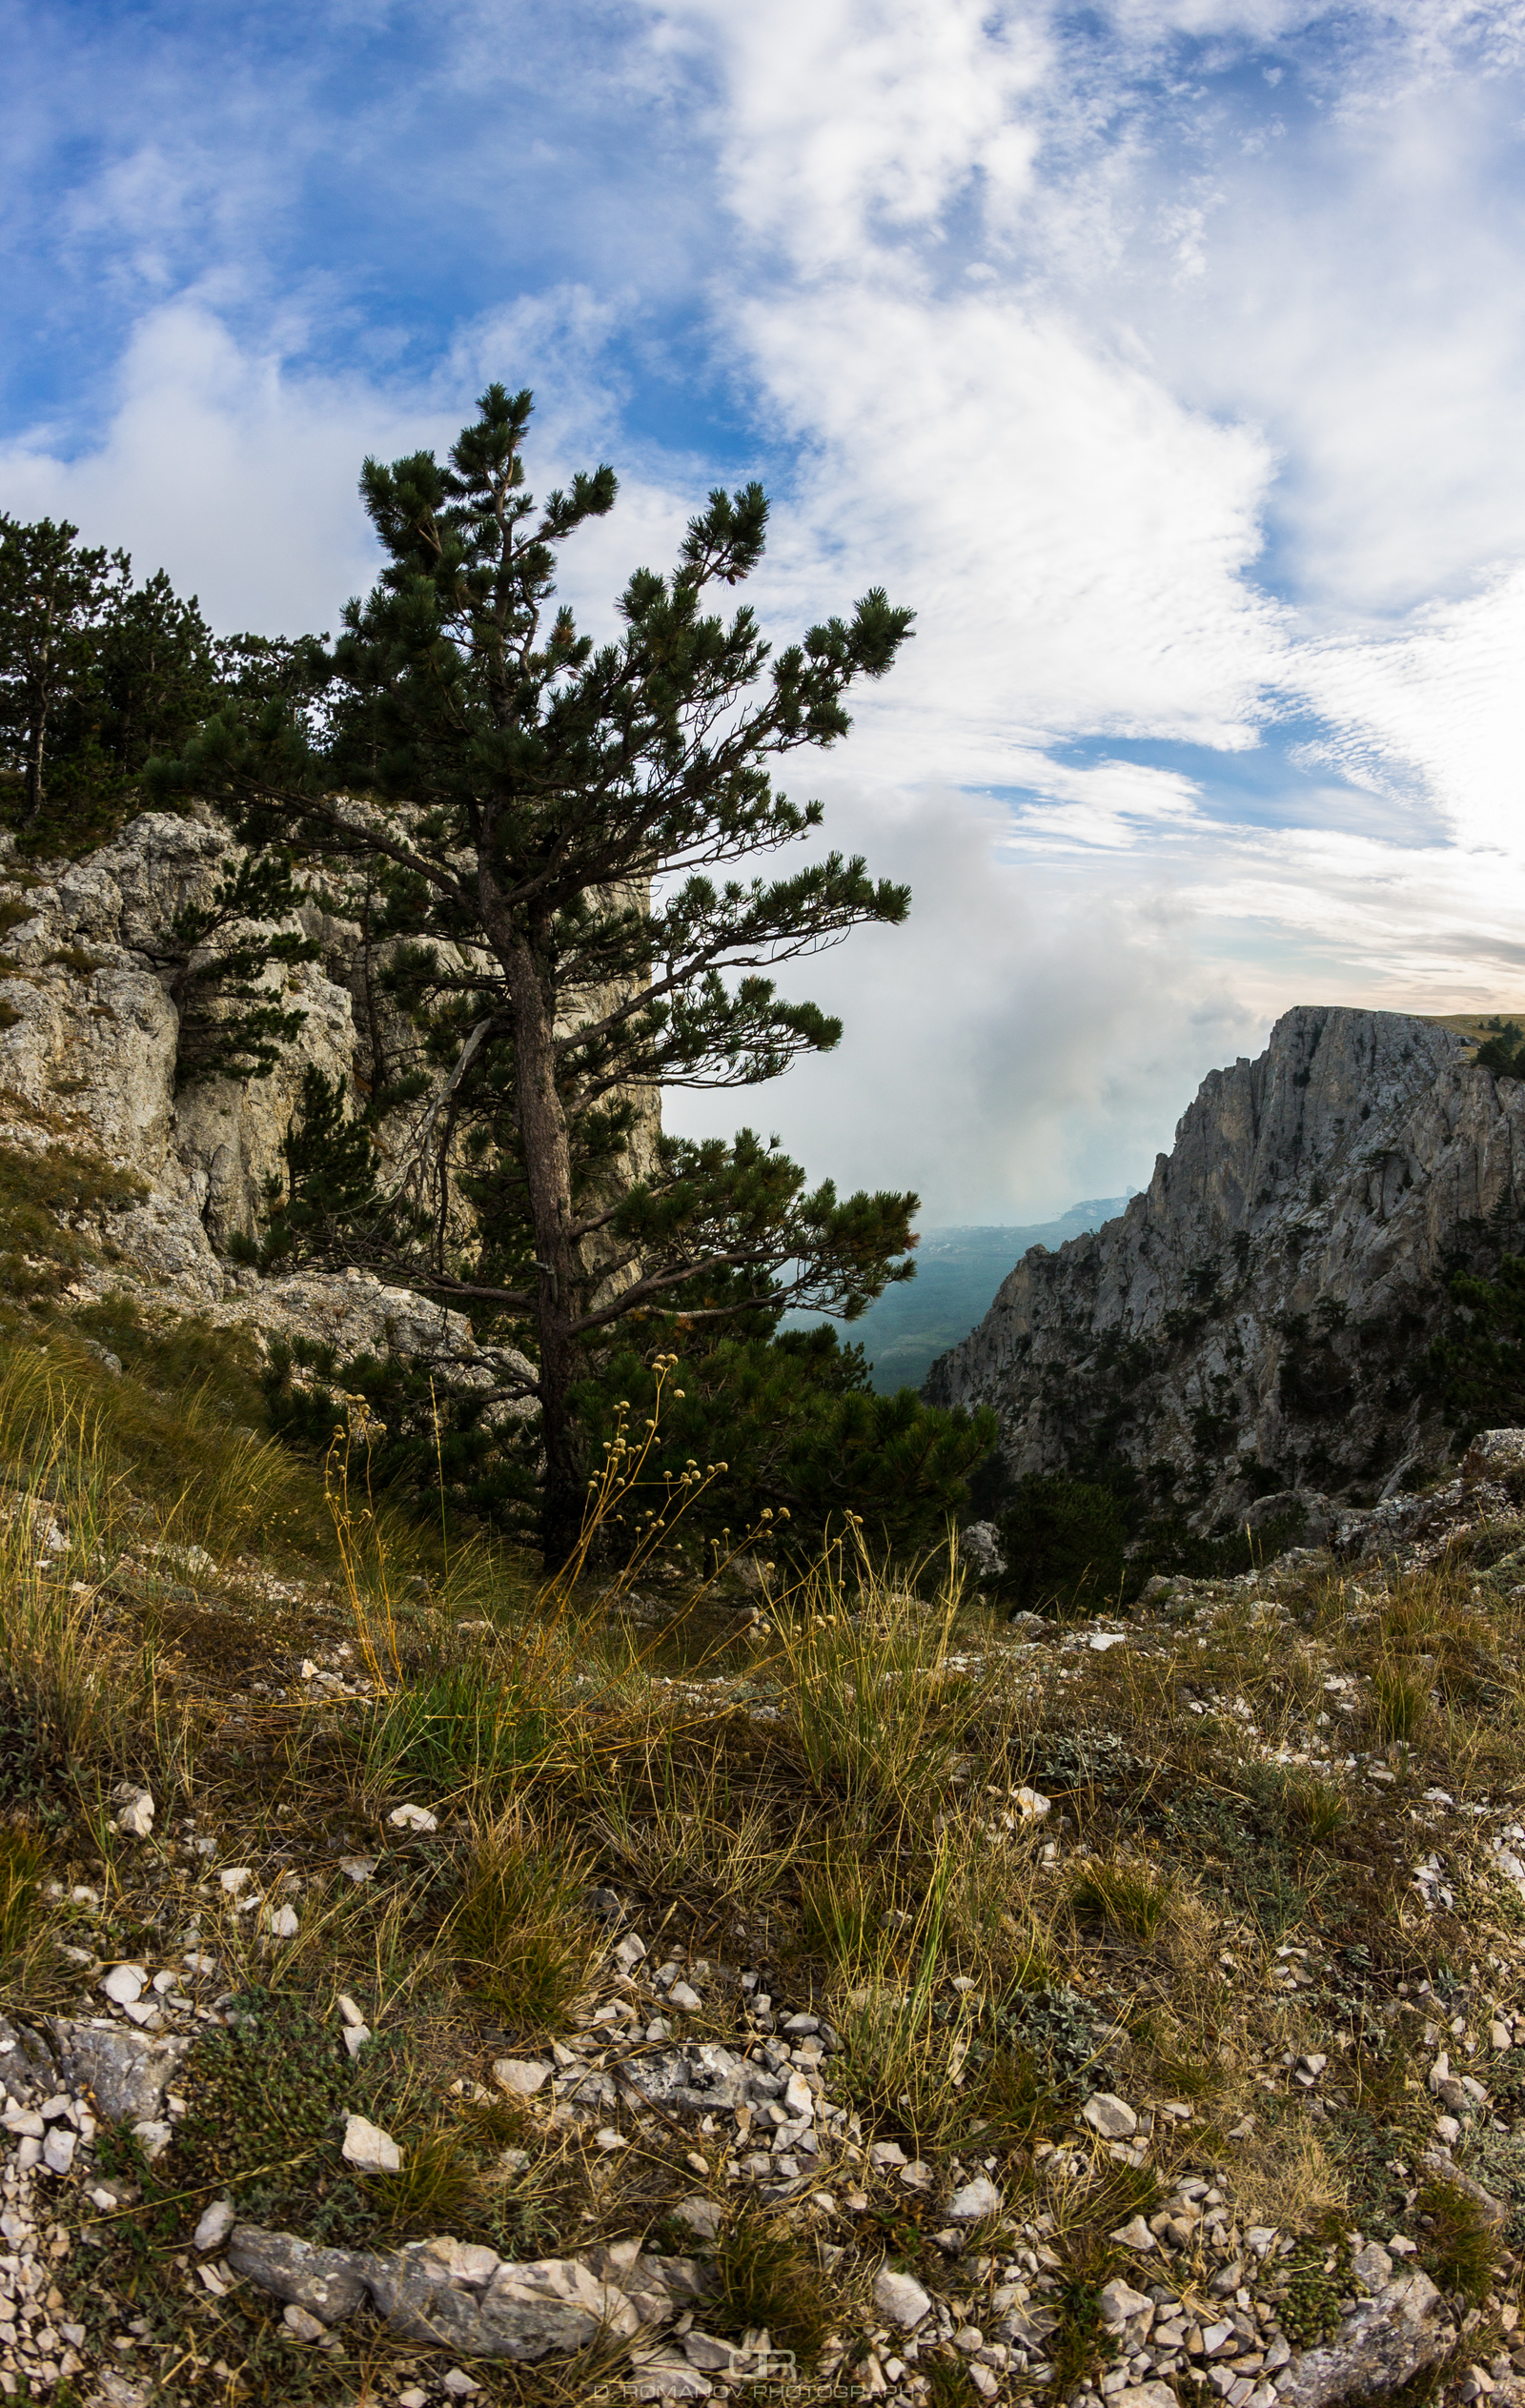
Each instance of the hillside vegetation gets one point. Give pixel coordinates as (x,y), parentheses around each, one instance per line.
(965,2008)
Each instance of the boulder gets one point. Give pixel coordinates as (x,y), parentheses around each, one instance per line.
(443,2292)
(980,1546)
(126,2073)
(1380,2344)
(329,2283)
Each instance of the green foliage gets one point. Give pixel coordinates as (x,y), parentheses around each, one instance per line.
(537,787)
(266,2102)
(1063,1542)
(233,1024)
(330,1179)
(1317,2279)
(1060,2030)
(99,676)
(1503,1052)
(423,1441)
(55,600)
(1478,1364)
(801,1432)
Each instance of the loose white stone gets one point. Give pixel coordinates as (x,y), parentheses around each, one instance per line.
(215,2225)
(521,2076)
(459,2383)
(1119,2302)
(900,2297)
(236,1877)
(414,1818)
(282,1924)
(630,1952)
(1110,2116)
(136,1817)
(302,2324)
(125,1984)
(800,2099)
(606,2138)
(348,2008)
(359,1868)
(977,2200)
(370,2149)
(356,2036)
(58,2150)
(1134,2234)
(680,1996)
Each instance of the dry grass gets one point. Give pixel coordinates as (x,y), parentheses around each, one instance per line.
(841,1807)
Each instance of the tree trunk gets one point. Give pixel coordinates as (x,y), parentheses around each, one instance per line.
(548,1175)
(35,733)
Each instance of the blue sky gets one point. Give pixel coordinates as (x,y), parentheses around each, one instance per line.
(1167,358)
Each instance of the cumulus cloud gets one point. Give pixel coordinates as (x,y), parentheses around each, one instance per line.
(1165,357)
(1018,1043)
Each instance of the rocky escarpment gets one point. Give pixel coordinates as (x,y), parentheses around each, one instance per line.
(1254,1322)
(90,1067)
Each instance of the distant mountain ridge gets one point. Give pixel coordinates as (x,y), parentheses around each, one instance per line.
(957,1271)
(1255,1321)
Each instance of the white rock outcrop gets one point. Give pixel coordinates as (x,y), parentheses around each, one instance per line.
(89,1036)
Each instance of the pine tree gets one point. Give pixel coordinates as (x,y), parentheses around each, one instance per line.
(55,600)
(513,791)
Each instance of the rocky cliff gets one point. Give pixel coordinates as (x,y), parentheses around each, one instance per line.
(90,1046)
(1252,1323)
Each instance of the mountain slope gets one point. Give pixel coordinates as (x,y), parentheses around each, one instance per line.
(957,1271)
(1253,1321)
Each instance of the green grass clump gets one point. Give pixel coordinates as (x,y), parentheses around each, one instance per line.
(767,2274)
(1462,2245)
(1400,1702)
(525,1943)
(437,2188)
(453,1726)
(1127,1896)
(40,1192)
(22,1858)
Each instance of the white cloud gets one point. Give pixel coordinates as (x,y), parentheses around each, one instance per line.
(223,467)
(1073,541)
(1019,1042)
(846,119)
(1172,401)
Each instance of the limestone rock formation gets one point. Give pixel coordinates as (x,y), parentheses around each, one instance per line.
(1248,1328)
(89,1039)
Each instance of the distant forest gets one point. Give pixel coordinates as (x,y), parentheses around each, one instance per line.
(957,1274)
